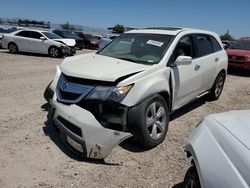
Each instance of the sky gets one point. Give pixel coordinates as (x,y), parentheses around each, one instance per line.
(214,15)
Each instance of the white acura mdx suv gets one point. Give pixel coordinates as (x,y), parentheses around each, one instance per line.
(130,87)
(36,41)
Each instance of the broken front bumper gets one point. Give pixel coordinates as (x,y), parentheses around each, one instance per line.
(81,131)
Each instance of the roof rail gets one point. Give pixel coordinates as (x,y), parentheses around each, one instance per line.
(165,28)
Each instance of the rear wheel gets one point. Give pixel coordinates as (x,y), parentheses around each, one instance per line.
(217,88)
(148,121)
(13,48)
(54,52)
(191,179)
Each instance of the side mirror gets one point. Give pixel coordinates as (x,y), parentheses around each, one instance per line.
(42,38)
(183,60)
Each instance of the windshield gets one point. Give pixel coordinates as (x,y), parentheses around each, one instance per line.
(70,34)
(241,45)
(138,47)
(51,35)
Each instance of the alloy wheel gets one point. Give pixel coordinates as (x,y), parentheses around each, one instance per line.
(54,52)
(156,120)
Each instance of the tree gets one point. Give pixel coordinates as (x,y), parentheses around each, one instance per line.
(226,36)
(68,26)
(118,28)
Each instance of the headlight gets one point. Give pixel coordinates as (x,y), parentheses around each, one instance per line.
(109,93)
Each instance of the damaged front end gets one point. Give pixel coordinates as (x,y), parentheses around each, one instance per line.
(88,113)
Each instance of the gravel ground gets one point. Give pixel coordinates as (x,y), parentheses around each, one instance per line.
(32,155)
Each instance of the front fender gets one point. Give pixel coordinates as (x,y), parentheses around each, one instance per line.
(148,85)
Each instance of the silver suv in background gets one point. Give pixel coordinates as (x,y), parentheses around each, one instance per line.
(130,87)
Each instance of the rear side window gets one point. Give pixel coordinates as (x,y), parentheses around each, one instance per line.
(204,45)
(216,45)
(24,34)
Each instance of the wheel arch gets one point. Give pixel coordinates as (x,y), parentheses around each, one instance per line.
(51,46)
(12,42)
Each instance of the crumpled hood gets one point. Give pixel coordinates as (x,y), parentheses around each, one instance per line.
(98,67)
(68,42)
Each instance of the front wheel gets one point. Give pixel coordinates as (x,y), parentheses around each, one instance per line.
(54,52)
(217,88)
(148,121)
(191,179)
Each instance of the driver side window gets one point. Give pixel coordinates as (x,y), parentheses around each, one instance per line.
(184,47)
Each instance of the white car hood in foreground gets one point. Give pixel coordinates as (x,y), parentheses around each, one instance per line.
(237,123)
(220,147)
(68,42)
(98,67)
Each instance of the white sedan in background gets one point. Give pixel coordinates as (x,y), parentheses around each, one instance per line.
(36,41)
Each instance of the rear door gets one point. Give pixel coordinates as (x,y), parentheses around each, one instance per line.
(186,78)
(207,59)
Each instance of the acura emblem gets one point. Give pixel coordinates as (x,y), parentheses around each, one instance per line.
(64,85)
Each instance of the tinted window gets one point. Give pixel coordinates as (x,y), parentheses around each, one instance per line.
(24,34)
(216,45)
(203,45)
(35,35)
(184,47)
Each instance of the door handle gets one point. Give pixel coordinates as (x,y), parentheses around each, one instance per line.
(197,67)
(216,59)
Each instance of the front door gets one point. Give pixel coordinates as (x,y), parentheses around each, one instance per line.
(186,78)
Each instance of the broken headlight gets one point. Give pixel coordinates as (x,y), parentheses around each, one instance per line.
(109,93)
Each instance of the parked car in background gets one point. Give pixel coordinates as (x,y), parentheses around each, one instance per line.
(90,42)
(5,31)
(106,40)
(36,41)
(239,54)
(227,43)
(71,35)
(130,87)
(220,149)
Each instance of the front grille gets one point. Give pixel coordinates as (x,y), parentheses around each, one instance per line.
(76,130)
(69,96)
(69,91)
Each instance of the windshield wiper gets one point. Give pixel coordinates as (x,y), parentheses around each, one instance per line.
(127,59)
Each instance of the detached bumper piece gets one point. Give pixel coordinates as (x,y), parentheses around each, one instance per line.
(81,131)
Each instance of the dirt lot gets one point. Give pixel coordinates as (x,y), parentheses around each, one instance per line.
(32,155)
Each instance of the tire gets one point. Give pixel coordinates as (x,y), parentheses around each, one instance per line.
(217,88)
(13,48)
(48,93)
(54,52)
(191,179)
(148,128)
